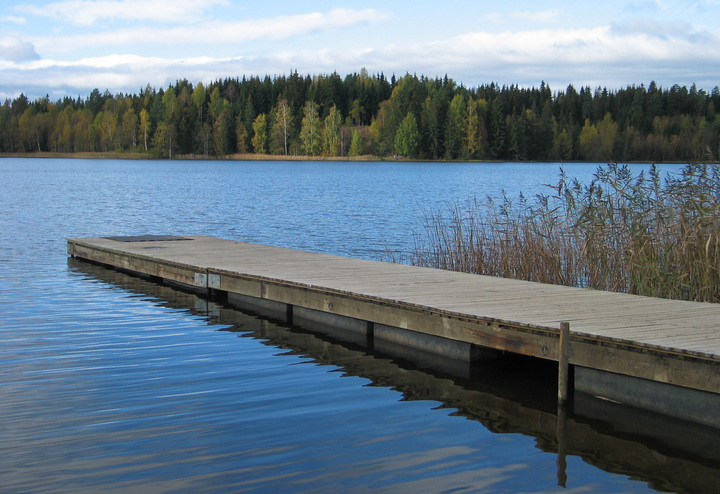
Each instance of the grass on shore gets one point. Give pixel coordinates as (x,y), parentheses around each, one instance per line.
(639,234)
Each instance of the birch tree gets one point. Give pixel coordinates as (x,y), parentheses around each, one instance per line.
(310,129)
(282,127)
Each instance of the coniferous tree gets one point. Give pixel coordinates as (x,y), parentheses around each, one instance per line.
(497,129)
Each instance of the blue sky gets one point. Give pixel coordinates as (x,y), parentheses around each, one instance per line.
(69,47)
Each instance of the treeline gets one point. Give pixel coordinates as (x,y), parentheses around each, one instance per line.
(416,117)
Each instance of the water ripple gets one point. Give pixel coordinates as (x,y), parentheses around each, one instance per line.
(105,388)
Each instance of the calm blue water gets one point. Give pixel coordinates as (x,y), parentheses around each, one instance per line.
(109,383)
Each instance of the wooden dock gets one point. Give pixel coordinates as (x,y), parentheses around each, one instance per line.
(647,352)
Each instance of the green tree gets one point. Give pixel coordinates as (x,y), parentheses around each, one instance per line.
(563,145)
(356,112)
(222,132)
(607,133)
(108,129)
(356,144)
(497,129)
(331,132)
(259,140)
(205,137)
(61,136)
(128,126)
(242,136)
(164,139)
(407,96)
(82,125)
(310,129)
(30,129)
(434,111)
(407,138)
(198,99)
(455,127)
(216,103)
(7,129)
(170,103)
(588,141)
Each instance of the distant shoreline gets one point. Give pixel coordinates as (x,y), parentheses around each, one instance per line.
(274,157)
(197,157)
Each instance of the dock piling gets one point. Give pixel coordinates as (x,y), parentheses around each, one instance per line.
(563,363)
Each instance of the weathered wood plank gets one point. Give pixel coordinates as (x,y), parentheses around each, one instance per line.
(669,341)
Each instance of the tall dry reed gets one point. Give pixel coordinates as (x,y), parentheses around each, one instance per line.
(639,234)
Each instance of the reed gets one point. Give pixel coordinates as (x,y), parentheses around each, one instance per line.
(640,234)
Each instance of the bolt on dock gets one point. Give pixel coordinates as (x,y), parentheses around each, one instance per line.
(663,355)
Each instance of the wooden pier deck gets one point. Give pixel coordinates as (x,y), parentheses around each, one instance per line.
(620,346)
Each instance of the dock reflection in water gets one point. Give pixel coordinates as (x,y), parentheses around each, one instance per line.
(509,396)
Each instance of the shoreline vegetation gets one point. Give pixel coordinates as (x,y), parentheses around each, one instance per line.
(114,155)
(641,234)
(362,115)
(117,155)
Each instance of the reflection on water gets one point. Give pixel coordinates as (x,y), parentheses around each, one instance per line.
(510,396)
(109,383)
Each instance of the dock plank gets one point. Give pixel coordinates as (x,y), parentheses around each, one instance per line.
(464,306)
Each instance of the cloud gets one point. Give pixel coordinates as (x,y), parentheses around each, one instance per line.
(643,7)
(16,50)
(216,32)
(117,73)
(492,18)
(13,19)
(584,46)
(87,12)
(611,56)
(660,30)
(284,27)
(542,17)
(596,56)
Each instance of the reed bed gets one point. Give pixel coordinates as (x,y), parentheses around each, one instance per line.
(641,234)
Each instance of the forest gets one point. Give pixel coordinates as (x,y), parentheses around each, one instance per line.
(362,114)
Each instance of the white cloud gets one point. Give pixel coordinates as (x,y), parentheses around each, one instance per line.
(117,73)
(542,17)
(492,18)
(16,50)
(643,7)
(284,27)
(13,19)
(582,46)
(87,12)
(612,55)
(661,30)
(215,32)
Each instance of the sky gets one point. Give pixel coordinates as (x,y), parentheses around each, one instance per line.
(70,47)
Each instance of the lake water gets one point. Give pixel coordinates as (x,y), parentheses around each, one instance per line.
(110,383)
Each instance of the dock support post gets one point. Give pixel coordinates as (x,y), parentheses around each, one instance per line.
(563,363)
(561,435)
(370,336)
